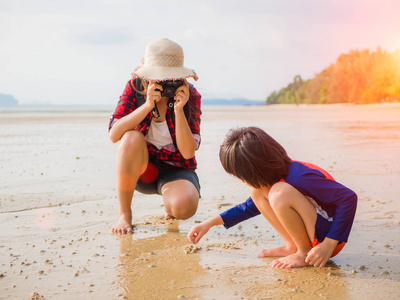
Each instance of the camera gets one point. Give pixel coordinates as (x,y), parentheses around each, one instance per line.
(169,87)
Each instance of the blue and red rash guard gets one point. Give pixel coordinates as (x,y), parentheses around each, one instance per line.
(333,201)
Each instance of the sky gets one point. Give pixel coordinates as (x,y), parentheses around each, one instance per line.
(82,52)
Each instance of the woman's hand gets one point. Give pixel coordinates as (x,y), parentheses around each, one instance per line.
(153,93)
(181,96)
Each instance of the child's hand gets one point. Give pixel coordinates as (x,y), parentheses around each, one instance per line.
(320,254)
(197,232)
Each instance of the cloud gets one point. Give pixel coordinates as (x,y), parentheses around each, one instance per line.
(105,36)
(237,48)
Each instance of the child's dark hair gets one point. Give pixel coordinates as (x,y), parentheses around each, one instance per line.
(253,156)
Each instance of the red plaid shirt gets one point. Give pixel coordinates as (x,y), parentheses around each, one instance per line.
(169,153)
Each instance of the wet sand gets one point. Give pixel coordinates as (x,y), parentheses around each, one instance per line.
(57,204)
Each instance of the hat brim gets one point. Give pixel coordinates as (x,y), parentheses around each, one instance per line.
(158,73)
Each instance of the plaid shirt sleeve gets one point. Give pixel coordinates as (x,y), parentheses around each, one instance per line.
(125,106)
(194,123)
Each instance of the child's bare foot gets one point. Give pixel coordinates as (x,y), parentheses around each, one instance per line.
(124,225)
(295,260)
(169,217)
(281,251)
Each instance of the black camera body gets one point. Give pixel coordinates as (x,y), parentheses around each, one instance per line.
(169,87)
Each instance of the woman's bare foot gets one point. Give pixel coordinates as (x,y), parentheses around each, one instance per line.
(169,217)
(124,225)
(295,260)
(281,251)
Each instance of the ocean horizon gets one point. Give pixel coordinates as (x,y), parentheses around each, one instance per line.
(63,106)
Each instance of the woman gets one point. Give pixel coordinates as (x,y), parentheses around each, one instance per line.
(157,121)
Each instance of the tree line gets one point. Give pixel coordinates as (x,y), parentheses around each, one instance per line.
(358,77)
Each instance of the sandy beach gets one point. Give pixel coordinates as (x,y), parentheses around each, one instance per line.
(58,203)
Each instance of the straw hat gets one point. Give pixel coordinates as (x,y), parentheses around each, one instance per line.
(163,60)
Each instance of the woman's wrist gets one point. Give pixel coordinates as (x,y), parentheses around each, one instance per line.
(148,105)
(178,110)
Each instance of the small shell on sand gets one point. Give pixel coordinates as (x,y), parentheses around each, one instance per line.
(191,249)
(36,296)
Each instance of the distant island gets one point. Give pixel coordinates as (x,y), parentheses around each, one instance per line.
(237,101)
(8,100)
(359,77)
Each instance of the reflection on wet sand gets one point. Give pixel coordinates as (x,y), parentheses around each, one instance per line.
(255,279)
(306,283)
(166,267)
(158,267)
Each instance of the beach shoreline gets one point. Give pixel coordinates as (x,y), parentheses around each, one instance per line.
(58,203)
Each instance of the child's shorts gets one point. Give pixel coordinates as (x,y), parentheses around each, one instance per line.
(159,173)
(322,227)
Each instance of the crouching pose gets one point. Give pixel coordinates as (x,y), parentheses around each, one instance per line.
(310,210)
(157,125)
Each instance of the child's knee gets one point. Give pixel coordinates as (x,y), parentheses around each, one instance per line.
(278,196)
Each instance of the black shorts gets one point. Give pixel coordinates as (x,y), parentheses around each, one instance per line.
(159,173)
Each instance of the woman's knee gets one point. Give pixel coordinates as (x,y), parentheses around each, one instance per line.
(132,154)
(181,199)
(182,206)
(132,140)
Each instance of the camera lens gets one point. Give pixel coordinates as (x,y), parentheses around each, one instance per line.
(169,91)
(169,87)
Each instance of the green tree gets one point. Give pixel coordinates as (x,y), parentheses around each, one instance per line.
(359,76)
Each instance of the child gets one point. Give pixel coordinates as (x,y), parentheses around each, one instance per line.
(310,210)
(157,121)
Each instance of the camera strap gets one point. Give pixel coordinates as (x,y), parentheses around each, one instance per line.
(140,99)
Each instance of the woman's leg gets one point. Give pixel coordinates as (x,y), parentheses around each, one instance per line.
(260,198)
(132,159)
(298,216)
(180,199)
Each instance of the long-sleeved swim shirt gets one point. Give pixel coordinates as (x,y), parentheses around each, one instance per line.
(332,200)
